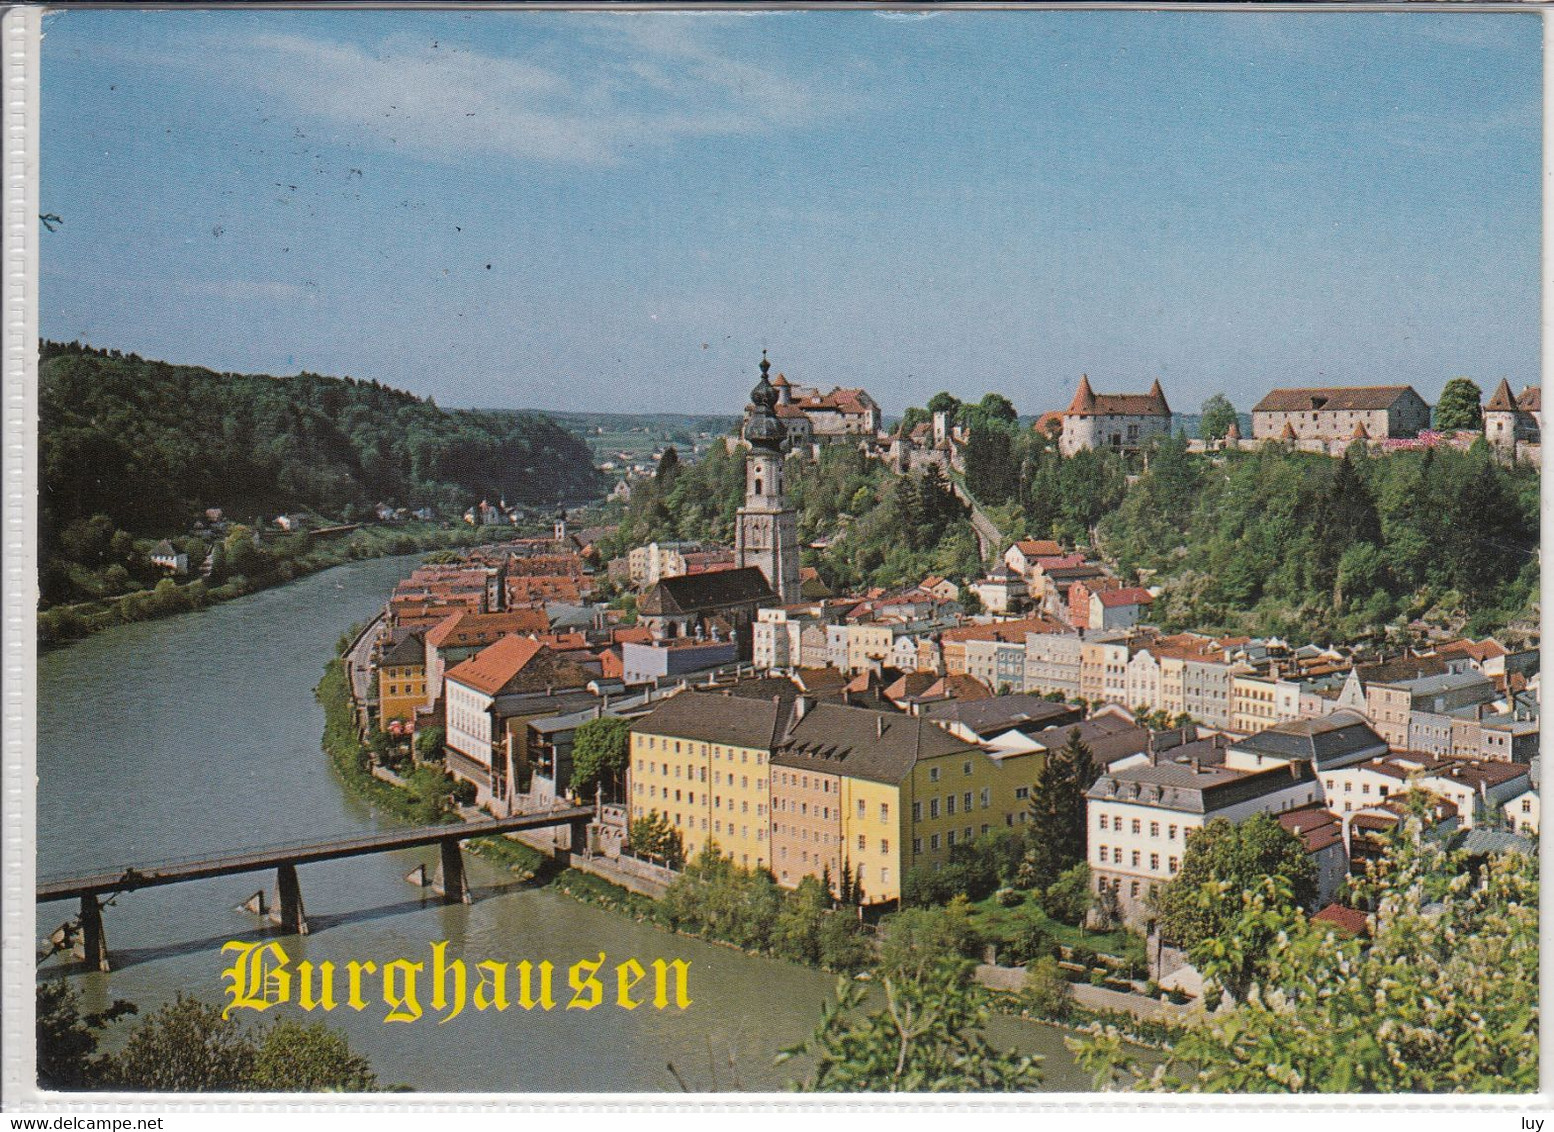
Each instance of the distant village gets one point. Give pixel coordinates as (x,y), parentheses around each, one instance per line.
(817,734)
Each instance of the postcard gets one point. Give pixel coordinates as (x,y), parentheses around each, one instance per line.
(661,552)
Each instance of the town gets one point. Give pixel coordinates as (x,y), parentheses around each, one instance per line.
(721,700)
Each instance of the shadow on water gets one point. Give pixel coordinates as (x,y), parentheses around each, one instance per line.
(123,958)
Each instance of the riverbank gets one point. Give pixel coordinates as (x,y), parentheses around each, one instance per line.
(350,760)
(286,558)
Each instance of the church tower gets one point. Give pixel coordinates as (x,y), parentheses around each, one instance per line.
(768,531)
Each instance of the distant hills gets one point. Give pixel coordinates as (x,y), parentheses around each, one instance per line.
(151,444)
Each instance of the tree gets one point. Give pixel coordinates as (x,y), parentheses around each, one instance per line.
(928,1038)
(67,1039)
(916,939)
(654,837)
(600,754)
(295,1057)
(1442,998)
(1458,407)
(1198,907)
(1069,898)
(1056,833)
(185,1047)
(428,744)
(1045,991)
(1218,416)
(944,402)
(668,465)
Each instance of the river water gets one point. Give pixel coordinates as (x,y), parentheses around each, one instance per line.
(199,733)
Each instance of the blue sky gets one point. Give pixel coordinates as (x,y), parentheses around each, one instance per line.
(618,211)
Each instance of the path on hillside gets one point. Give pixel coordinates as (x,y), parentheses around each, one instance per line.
(990,540)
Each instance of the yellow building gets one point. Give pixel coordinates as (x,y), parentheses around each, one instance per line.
(880,793)
(806,789)
(701,759)
(401,677)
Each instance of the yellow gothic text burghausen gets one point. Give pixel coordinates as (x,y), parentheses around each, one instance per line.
(262,976)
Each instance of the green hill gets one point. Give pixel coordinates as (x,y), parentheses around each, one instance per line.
(151,444)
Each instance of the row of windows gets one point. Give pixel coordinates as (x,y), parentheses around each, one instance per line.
(1135,827)
(718,777)
(1115,885)
(965,803)
(690,798)
(949,840)
(410,689)
(657,743)
(1135,858)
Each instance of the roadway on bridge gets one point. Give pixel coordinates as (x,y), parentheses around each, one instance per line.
(296,853)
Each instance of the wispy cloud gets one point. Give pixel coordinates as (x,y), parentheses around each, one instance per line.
(628,83)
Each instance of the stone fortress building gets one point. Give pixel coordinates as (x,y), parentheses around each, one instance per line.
(1121,421)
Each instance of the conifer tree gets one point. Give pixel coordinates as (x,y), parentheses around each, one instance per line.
(1056,834)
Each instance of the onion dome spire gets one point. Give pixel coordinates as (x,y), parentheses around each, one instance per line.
(763,430)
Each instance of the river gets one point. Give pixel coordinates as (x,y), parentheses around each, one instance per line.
(199,733)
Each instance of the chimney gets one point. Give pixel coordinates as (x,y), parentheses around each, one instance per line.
(800,707)
(1197,765)
(879,727)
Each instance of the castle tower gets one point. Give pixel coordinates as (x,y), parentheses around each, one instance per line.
(767,534)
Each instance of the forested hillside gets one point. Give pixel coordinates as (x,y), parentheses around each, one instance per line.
(150,444)
(880,529)
(1286,542)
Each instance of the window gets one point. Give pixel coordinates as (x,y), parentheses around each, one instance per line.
(1103,855)
(933,774)
(862,844)
(987,798)
(860,809)
(933,841)
(1172,866)
(1173,833)
(1104,821)
(1365,788)
(1133,890)
(951,839)
(965,802)
(1135,858)
(933,807)
(917,845)
(1348,787)
(1022,792)
(949,804)
(1117,856)
(965,767)
(1154,862)
(1526,805)
(917,811)
(1136,825)
(884,844)
(1154,829)
(884,811)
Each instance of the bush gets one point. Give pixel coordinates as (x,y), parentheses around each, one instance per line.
(1031,942)
(1009,897)
(1046,990)
(1068,898)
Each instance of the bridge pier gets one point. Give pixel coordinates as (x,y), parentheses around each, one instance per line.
(93,948)
(579,828)
(290,916)
(450,882)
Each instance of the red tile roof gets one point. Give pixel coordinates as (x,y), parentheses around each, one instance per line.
(1346,919)
(1133,595)
(493,668)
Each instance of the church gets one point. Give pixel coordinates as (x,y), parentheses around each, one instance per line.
(722,604)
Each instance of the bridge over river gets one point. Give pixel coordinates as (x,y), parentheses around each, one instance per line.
(92,945)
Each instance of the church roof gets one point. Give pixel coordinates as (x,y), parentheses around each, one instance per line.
(698,593)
